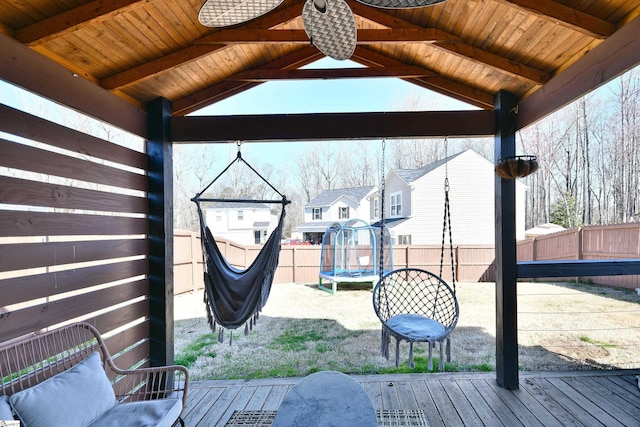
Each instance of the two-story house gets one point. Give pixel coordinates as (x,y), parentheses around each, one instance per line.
(244,223)
(414,202)
(332,206)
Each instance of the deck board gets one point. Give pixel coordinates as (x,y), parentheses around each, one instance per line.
(608,398)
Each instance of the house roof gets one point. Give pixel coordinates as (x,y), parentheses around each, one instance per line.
(410,175)
(141,50)
(329,197)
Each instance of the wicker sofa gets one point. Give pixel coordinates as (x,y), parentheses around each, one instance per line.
(66,377)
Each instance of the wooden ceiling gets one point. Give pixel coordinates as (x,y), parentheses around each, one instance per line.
(467,49)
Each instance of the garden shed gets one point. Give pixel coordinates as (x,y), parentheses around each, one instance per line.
(95,243)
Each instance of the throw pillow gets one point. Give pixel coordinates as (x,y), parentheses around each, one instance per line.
(72,398)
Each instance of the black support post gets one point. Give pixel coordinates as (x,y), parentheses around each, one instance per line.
(506,267)
(159,149)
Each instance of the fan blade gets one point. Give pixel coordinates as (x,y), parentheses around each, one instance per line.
(400,4)
(331,26)
(223,13)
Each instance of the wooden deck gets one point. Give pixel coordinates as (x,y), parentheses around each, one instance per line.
(589,398)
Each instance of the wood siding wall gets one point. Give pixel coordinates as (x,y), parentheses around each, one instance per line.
(604,242)
(73,234)
(301,264)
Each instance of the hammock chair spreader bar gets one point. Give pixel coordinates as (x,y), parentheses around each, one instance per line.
(283,201)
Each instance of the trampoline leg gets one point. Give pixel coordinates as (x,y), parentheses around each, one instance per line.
(397,351)
(430,365)
(449,349)
(441,356)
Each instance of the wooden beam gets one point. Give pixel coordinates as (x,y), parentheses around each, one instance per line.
(435,82)
(333,73)
(157,66)
(578,268)
(74,19)
(199,48)
(513,68)
(229,88)
(505,248)
(365,36)
(331,126)
(614,56)
(160,196)
(566,16)
(454,44)
(28,69)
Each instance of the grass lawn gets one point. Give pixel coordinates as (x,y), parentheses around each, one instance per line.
(303,330)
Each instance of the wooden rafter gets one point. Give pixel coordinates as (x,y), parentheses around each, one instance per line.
(198,49)
(454,44)
(74,19)
(264,75)
(365,36)
(435,82)
(566,16)
(227,88)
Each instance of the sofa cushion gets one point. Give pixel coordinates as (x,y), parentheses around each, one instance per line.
(5,409)
(75,397)
(160,413)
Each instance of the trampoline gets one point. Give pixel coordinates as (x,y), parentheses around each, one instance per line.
(351,254)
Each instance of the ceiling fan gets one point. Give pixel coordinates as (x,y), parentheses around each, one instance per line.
(330,24)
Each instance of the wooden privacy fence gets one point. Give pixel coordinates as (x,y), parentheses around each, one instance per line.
(620,241)
(301,263)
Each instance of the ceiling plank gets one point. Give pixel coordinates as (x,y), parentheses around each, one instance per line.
(514,68)
(365,36)
(566,16)
(435,82)
(199,48)
(454,44)
(614,56)
(152,68)
(263,75)
(332,126)
(227,88)
(74,19)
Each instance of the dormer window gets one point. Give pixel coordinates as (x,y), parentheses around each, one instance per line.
(396,204)
(317,213)
(343,212)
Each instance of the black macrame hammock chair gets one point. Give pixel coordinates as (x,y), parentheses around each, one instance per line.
(235,297)
(413,304)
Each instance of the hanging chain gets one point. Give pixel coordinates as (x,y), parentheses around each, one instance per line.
(381,266)
(446,222)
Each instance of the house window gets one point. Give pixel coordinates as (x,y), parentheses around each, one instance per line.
(396,204)
(218,216)
(343,212)
(317,213)
(376,208)
(240,215)
(404,239)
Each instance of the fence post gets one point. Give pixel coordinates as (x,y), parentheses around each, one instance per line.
(194,260)
(293,261)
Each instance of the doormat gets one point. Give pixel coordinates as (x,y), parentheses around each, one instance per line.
(386,418)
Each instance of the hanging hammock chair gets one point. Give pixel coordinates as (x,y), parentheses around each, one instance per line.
(235,297)
(415,305)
